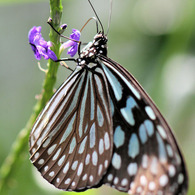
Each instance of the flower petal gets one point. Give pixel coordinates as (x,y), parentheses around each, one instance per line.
(73,50)
(39,46)
(75,35)
(52,55)
(67,44)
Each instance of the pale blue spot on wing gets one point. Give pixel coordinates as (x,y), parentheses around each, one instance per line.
(150,112)
(83,108)
(92,136)
(169,150)
(132,169)
(86,128)
(82,146)
(112,107)
(72,145)
(133,147)
(68,129)
(116,86)
(143,134)
(133,90)
(162,131)
(116,161)
(149,127)
(102,95)
(119,137)
(127,111)
(100,116)
(92,98)
(161,148)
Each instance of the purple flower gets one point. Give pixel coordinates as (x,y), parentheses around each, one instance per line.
(39,46)
(72,44)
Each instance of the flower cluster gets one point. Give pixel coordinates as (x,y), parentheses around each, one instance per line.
(41,47)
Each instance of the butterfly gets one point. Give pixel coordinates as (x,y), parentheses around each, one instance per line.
(101,127)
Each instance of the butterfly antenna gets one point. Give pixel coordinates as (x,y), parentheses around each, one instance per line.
(96,16)
(93,18)
(109,18)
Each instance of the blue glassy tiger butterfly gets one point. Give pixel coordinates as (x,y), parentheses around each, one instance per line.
(100,127)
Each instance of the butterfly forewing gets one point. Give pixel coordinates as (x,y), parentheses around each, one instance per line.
(71,142)
(146,158)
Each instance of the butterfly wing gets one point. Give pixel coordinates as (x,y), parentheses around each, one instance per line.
(71,141)
(146,158)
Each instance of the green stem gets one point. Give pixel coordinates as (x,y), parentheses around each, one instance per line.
(19,147)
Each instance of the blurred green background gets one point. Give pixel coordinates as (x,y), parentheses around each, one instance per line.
(154,40)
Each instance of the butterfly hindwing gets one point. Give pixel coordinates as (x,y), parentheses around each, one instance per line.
(146,158)
(71,141)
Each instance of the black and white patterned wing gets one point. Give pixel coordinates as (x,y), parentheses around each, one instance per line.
(146,158)
(71,140)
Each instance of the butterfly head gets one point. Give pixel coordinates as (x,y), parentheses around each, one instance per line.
(93,49)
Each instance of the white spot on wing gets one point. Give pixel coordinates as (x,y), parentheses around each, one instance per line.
(110,177)
(67,181)
(82,146)
(119,137)
(56,155)
(84,177)
(152,186)
(116,161)
(51,174)
(163,180)
(106,141)
(115,84)
(101,146)
(74,165)
(80,169)
(162,131)
(91,178)
(46,168)
(143,180)
(92,136)
(150,112)
(133,147)
(72,145)
(60,162)
(41,161)
(124,182)
(145,161)
(68,129)
(51,149)
(132,169)
(127,110)
(87,159)
(94,158)
(100,116)
(66,168)
(100,169)
(172,170)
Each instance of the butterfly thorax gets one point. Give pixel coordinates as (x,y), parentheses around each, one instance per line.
(90,52)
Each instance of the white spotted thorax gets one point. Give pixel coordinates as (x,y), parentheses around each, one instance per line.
(100,127)
(90,52)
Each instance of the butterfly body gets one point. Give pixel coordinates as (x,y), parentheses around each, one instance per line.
(100,127)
